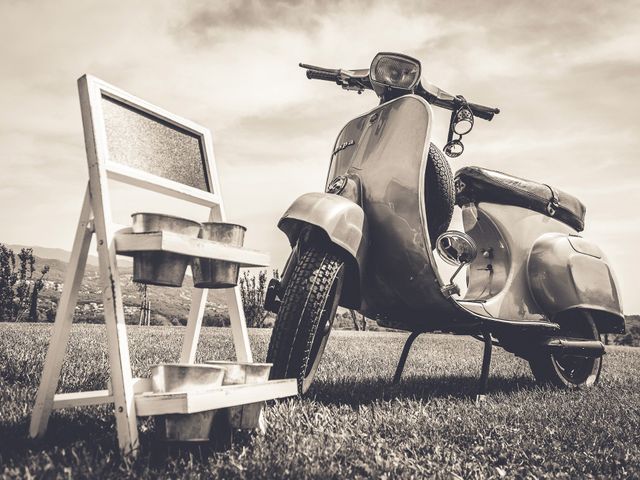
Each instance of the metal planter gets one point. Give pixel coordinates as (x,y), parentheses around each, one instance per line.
(168,378)
(209,273)
(161,268)
(239,373)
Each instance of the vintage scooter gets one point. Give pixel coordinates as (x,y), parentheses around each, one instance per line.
(535,287)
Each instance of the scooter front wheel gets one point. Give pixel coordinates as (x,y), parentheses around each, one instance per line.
(306,314)
(569,371)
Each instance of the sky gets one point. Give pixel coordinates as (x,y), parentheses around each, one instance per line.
(564,74)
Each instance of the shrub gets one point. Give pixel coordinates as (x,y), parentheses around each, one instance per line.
(253,289)
(19,286)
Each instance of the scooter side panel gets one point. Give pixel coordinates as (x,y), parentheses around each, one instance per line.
(567,272)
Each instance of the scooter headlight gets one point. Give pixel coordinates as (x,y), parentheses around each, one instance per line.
(395,70)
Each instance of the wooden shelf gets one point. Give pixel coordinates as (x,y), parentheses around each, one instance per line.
(148,404)
(129,244)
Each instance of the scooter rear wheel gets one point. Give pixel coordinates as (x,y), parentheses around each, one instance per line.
(569,371)
(306,314)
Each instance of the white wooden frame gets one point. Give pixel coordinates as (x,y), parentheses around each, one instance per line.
(126,393)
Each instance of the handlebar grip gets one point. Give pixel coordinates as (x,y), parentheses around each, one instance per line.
(480,111)
(316,75)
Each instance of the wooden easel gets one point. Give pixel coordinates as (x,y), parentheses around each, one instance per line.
(131,396)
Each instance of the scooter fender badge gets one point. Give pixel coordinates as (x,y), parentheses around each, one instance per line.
(342,146)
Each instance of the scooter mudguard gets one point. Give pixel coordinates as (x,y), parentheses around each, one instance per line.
(568,272)
(344,223)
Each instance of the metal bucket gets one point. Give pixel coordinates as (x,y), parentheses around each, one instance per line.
(161,268)
(168,378)
(209,273)
(240,373)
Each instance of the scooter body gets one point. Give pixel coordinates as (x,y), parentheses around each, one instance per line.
(534,285)
(531,268)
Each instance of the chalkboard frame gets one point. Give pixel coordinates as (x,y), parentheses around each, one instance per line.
(97,89)
(126,393)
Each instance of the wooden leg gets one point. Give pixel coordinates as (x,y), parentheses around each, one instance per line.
(238,325)
(62,326)
(119,361)
(194,323)
(118,346)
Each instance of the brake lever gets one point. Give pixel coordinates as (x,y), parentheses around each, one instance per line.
(353,80)
(347,85)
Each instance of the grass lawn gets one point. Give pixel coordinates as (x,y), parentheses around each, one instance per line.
(354,423)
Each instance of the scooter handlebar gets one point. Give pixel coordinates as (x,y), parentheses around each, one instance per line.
(318,75)
(359,80)
(480,111)
(438,97)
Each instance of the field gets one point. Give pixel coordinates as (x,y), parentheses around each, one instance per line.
(354,423)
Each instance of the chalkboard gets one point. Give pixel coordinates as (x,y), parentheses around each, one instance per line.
(149,143)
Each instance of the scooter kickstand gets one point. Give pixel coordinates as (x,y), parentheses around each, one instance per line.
(404,355)
(486,363)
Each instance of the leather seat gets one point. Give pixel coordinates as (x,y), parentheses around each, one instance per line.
(475,184)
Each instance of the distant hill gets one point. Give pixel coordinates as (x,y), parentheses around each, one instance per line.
(168,305)
(60,254)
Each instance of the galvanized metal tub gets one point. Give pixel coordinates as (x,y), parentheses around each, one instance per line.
(161,268)
(168,378)
(209,273)
(241,373)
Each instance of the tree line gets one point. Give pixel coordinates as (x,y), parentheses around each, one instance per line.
(20,284)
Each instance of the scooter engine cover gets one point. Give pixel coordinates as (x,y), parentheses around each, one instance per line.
(563,278)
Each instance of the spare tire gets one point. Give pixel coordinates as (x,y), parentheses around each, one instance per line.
(439,193)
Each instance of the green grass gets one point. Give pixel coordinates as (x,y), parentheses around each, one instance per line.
(354,423)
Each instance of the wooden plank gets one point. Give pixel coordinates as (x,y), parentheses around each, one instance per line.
(221,397)
(194,321)
(62,326)
(194,324)
(118,348)
(81,399)
(148,181)
(138,103)
(129,243)
(238,325)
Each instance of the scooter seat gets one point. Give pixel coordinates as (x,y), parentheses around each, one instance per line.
(475,184)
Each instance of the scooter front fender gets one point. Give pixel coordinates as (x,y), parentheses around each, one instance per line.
(344,223)
(568,272)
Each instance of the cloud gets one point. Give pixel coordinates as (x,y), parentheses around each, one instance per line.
(211,21)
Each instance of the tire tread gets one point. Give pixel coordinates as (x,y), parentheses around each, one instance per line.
(301,309)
